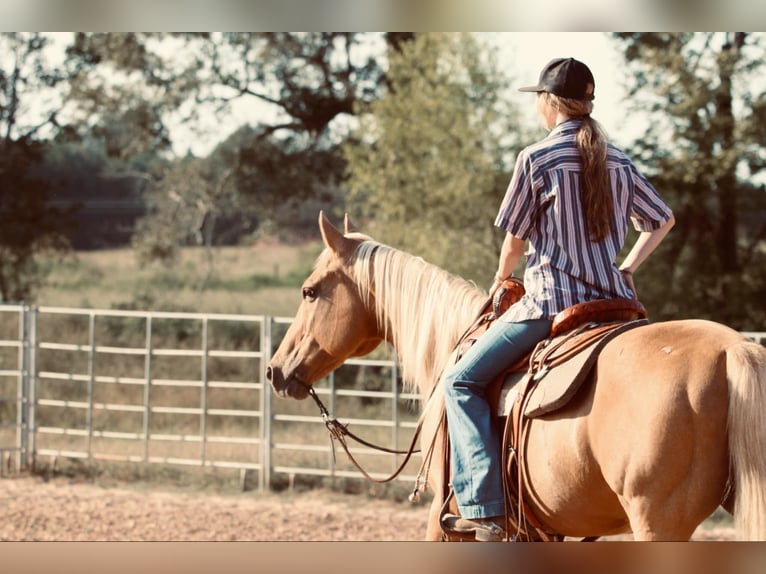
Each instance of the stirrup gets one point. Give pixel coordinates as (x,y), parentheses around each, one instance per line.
(479,529)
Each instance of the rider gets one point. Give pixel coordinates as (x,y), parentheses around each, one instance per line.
(571,196)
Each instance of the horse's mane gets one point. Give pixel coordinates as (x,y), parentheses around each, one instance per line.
(422,308)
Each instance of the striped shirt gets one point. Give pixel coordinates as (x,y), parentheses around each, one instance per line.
(543,204)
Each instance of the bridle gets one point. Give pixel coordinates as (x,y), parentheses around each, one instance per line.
(339,432)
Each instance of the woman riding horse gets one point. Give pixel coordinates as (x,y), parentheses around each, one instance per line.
(571,196)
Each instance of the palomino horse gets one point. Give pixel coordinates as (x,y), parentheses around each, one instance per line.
(674,426)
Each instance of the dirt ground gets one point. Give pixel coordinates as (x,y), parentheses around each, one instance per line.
(67,510)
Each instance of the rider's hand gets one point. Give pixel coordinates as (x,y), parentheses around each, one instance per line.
(495,286)
(627,276)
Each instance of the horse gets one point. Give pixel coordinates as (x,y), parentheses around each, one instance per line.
(672,427)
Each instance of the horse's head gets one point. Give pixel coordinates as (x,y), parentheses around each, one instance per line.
(333,322)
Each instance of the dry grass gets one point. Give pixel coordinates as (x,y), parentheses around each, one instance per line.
(258,279)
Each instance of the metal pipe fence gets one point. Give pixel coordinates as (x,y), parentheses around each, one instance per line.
(15,397)
(180,389)
(185,389)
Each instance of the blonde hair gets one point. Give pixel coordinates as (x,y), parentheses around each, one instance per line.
(592,143)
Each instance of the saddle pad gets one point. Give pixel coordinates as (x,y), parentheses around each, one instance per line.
(554,387)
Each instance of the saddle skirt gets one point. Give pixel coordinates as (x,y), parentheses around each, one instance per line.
(556,369)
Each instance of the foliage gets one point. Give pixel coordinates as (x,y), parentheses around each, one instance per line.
(704,150)
(28,222)
(310,78)
(28,225)
(265,175)
(183,209)
(312,84)
(430,161)
(110,100)
(125,93)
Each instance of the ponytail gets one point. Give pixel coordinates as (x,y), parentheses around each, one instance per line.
(597,200)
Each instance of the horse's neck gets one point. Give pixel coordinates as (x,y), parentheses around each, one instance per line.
(424,310)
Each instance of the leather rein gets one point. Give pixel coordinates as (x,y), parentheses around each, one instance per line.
(339,432)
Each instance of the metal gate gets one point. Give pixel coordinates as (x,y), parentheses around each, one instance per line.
(174,388)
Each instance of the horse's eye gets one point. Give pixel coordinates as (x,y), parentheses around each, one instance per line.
(309,293)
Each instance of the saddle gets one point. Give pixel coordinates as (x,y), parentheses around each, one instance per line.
(545,381)
(556,369)
(564,359)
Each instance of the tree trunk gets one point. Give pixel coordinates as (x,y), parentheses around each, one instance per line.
(726,183)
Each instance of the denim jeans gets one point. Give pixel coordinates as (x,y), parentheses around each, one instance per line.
(474,442)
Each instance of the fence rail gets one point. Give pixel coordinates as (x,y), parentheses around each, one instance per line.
(184,389)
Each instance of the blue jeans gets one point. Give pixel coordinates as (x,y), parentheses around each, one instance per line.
(474,442)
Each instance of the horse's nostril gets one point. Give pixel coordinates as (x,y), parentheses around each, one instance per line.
(269,373)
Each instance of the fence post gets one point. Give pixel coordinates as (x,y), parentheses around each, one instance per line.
(395,409)
(203,391)
(148,388)
(264,478)
(32,389)
(91,381)
(331,460)
(22,409)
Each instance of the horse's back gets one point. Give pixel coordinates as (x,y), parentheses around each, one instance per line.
(685,337)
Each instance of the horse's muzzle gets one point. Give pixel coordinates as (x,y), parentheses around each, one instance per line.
(291,386)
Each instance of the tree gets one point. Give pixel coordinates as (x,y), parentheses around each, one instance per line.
(704,150)
(29,223)
(308,83)
(186,205)
(313,83)
(430,162)
(310,79)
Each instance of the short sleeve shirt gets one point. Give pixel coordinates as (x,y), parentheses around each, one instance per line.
(543,204)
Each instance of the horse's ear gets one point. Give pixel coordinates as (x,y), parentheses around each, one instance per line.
(349,227)
(332,236)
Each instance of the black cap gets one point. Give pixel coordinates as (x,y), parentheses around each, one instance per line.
(567,78)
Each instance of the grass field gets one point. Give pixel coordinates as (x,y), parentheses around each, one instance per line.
(259,279)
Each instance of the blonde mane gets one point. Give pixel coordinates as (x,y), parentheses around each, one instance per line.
(421,308)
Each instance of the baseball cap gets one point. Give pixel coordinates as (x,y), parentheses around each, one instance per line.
(567,78)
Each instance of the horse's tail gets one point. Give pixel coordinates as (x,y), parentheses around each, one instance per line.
(746,368)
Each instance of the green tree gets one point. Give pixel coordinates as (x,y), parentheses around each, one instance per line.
(313,83)
(31,106)
(189,203)
(309,85)
(104,194)
(430,162)
(704,150)
(126,92)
